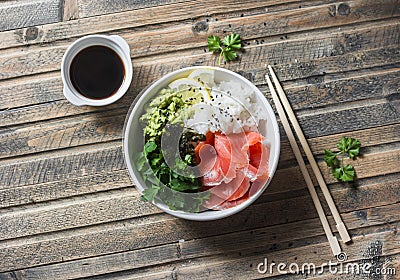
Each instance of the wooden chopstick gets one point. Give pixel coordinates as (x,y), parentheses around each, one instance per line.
(333,242)
(338,220)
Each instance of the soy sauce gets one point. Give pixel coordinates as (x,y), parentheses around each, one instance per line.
(97,72)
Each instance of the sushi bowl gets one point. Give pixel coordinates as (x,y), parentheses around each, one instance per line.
(201,143)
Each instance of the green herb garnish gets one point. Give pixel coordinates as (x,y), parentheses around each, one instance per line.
(348,147)
(175,186)
(228,46)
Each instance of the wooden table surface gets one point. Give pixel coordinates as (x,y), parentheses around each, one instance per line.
(68,208)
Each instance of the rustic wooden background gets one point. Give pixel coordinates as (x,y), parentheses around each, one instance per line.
(68,209)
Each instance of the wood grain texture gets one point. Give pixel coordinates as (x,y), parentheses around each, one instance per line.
(131,237)
(144,232)
(270,24)
(17,14)
(88,8)
(43,100)
(267,237)
(68,208)
(49,191)
(96,127)
(91,183)
(70,10)
(62,165)
(125,204)
(107,126)
(130,19)
(49,59)
(244,267)
(82,162)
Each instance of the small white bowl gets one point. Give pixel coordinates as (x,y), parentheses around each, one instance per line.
(114,42)
(134,141)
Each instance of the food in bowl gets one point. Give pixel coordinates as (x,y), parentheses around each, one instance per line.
(206,144)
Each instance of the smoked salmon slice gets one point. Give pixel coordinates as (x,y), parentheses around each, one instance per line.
(233,167)
(209,165)
(231,150)
(229,204)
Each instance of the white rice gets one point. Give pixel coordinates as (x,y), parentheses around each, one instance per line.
(233,109)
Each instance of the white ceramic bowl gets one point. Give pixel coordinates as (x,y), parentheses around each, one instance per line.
(114,42)
(134,141)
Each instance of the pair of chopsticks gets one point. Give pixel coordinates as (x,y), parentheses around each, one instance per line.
(333,242)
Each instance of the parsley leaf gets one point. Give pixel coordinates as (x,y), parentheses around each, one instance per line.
(149,147)
(348,147)
(348,173)
(214,43)
(232,41)
(344,173)
(330,158)
(228,46)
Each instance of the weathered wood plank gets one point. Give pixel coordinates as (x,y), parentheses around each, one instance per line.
(125,204)
(89,8)
(345,120)
(368,137)
(106,126)
(74,212)
(58,109)
(382,262)
(273,54)
(323,91)
(312,60)
(79,161)
(49,87)
(31,90)
(315,17)
(226,243)
(49,59)
(144,232)
(62,165)
(236,267)
(131,19)
(70,10)
(84,224)
(271,23)
(63,189)
(119,178)
(94,128)
(23,13)
(373,85)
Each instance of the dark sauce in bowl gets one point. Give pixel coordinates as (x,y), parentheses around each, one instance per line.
(97,72)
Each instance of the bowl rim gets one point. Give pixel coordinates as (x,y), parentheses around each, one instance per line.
(216,214)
